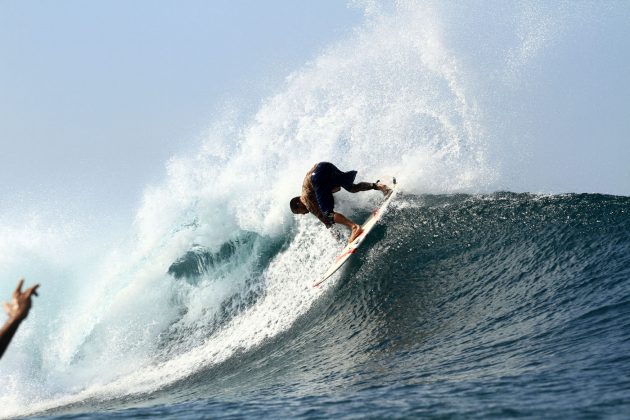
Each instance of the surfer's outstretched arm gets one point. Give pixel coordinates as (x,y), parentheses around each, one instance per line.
(17,311)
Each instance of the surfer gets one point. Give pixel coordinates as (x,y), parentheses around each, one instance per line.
(318,187)
(17,311)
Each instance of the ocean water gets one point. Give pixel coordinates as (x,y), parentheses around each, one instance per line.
(471,299)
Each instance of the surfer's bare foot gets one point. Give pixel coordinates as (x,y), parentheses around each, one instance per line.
(383,188)
(356,232)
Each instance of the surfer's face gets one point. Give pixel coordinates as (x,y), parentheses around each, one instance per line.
(300,208)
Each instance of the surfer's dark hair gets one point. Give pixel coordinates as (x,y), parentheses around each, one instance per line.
(295,204)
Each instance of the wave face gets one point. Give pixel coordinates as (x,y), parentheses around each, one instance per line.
(493,305)
(464,302)
(476,306)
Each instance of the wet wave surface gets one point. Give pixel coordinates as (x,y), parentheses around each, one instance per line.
(475,306)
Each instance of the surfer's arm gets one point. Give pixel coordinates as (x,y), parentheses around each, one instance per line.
(17,311)
(325,203)
(328,221)
(7,333)
(310,201)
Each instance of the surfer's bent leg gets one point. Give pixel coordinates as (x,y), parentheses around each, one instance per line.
(366,186)
(361,186)
(346,180)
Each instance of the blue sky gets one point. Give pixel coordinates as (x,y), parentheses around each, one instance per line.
(96,96)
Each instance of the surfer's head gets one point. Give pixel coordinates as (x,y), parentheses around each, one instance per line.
(297,207)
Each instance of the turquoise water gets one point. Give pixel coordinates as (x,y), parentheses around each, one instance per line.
(502,305)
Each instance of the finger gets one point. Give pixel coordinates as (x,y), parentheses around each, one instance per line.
(18,289)
(7,308)
(32,291)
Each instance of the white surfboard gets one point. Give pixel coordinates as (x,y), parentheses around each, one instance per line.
(352,247)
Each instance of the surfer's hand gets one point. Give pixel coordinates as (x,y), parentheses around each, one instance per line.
(329,220)
(20,303)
